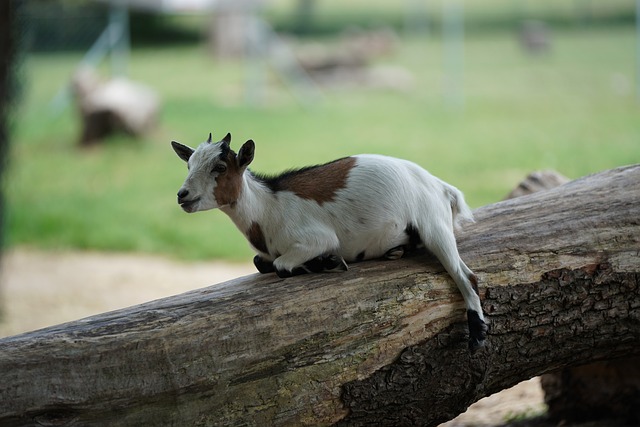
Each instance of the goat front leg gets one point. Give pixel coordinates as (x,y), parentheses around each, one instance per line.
(319,264)
(315,255)
(263,265)
(324,263)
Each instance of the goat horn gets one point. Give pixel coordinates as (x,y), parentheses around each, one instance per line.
(227,138)
(209,140)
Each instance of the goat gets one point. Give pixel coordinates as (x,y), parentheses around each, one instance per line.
(318,218)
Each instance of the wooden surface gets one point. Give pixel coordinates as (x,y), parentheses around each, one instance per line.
(604,390)
(382,344)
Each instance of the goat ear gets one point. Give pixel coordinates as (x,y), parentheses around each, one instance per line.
(245,155)
(227,138)
(182,151)
(209,139)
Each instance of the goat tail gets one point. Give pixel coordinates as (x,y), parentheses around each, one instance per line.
(459,208)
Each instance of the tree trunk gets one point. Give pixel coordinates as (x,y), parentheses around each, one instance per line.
(538,181)
(8,89)
(381,344)
(601,390)
(597,391)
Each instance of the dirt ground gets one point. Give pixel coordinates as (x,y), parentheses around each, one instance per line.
(42,288)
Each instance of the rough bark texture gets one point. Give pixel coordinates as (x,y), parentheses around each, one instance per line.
(600,390)
(382,344)
(538,181)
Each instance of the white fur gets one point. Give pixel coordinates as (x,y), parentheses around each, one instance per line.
(382,196)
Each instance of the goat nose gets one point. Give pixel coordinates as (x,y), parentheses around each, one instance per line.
(183,193)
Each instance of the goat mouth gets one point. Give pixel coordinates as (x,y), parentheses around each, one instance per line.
(187,206)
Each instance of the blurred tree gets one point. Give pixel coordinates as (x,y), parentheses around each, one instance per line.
(7,55)
(304,16)
(233,22)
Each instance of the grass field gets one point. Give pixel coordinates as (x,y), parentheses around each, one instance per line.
(573,110)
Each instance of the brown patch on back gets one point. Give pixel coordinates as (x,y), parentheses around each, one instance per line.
(256,237)
(319,183)
(229,183)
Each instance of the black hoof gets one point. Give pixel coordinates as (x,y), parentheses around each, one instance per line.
(315,265)
(283,274)
(318,264)
(325,263)
(263,265)
(395,253)
(295,272)
(334,263)
(477,331)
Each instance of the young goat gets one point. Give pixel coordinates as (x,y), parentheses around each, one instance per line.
(318,218)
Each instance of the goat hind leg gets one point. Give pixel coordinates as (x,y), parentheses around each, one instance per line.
(442,243)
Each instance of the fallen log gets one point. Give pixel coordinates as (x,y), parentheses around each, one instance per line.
(381,344)
(604,390)
(110,106)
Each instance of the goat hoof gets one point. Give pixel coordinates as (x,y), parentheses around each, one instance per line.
(263,265)
(315,265)
(298,271)
(283,274)
(475,345)
(335,263)
(395,253)
(325,263)
(478,330)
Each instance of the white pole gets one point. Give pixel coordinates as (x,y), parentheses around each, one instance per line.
(119,39)
(256,72)
(638,50)
(453,54)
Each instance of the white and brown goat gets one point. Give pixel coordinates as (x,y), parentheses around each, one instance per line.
(319,218)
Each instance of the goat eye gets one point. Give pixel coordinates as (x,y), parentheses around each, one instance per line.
(219,168)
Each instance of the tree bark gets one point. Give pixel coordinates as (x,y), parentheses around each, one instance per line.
(538,181)
(381,344)
(607,389)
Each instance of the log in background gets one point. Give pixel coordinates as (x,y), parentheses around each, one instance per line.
(382,344)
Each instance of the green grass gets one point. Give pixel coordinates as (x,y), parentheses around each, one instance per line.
(330,16)
(573,110)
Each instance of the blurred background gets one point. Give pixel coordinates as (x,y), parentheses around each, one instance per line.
(479,93)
